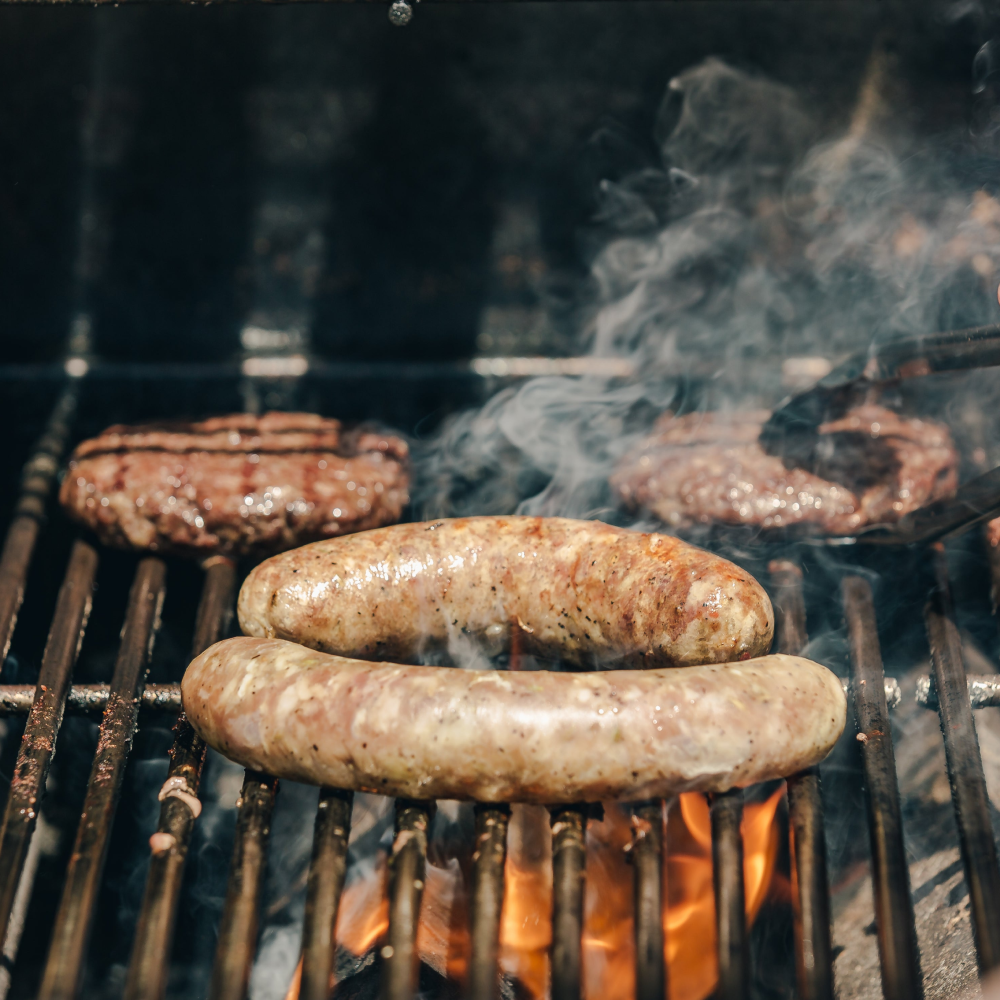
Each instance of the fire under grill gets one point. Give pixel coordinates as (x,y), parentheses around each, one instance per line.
(948,689)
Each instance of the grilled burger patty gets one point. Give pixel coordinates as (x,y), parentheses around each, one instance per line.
(579,591)
(235,484)
(496,736)
(709,468)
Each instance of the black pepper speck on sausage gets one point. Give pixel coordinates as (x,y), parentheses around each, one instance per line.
(498,736)
(580,591)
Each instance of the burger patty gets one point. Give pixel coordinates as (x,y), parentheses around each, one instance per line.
(873,467)
(236,484)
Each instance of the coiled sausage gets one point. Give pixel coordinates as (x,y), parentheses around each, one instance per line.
(497,736)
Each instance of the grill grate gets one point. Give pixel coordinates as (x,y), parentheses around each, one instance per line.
(67,952)
(147,974)
(965,768)
(897,934)
(120,703)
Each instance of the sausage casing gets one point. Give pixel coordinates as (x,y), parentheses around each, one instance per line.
(579,591)
(497,736)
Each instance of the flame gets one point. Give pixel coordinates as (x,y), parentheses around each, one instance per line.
(608,946)
(363,916)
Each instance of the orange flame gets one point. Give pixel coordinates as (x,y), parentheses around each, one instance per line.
(608,943)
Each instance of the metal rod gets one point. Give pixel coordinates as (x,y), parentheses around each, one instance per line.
(67,952)
(810,889)
(149,962)
(327,869)
(238,930)
(892,692)
(646,855)
(789,605)
(569,872)
(984,691)
(899,953)
(406,888)
(488,862)
(993,556)
(19,911)
(965,768)
(89,699)
(36,482)
(730,901)
(42,729)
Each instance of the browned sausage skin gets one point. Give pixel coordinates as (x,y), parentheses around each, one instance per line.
(580,591)
(497,736)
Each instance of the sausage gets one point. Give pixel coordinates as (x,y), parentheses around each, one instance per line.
(498,736)
(583,592)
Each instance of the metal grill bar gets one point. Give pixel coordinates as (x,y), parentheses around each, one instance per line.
(89,699)
(36,482)
(810,890)
(326,881)
(789,605)
(646,855)
(899,954)
(42,728)
(984,691)
(488,861)
(569,872)
(965,768)
(730,903)
(238,929)
(19,913)
(406,888)
(148,966)
(993,555)
(67,952)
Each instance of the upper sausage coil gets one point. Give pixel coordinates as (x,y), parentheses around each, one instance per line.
(582,592)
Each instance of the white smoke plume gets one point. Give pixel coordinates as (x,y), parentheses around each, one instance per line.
(756,241)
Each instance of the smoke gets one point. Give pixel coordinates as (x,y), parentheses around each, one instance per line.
(756,241)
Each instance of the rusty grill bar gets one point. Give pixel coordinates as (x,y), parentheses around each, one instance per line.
(965,768)
(569,873)
(488,861)
(147,972)
(730,899)
(29,513)
(810,888)
(948,689)
(327,871)
(67,952)
(238,930)
(89,699)
(37,746)
(647,860)
(897,934)
(407,868)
